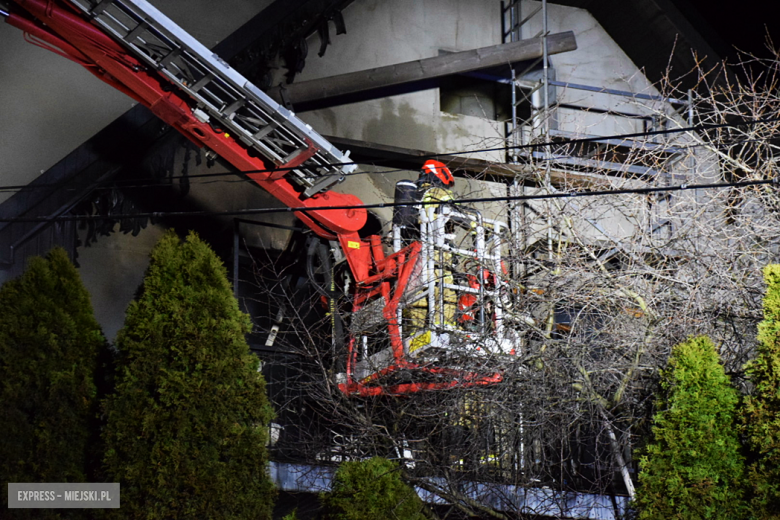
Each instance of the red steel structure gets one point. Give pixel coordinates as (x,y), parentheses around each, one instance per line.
(131,46)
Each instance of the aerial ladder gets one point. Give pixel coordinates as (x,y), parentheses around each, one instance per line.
(136,49)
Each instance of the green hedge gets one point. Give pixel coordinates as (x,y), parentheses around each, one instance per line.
(371,489)
(49,343)
(762,407)
(693,468)
(187,424)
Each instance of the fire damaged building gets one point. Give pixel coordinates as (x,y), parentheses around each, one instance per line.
(397,190)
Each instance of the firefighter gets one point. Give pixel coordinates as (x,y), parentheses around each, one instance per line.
(434,184)
(435,174)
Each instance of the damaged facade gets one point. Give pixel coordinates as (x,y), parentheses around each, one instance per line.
(581,77)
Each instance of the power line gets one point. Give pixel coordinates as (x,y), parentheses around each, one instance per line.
(530,146)
(380,205)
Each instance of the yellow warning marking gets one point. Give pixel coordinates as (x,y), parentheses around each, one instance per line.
(227,134)
(353,245)
(420,341)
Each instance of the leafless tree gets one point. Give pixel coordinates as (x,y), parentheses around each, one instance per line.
(598,289)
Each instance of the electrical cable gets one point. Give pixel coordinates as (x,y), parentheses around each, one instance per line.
(379,205)
(564,142)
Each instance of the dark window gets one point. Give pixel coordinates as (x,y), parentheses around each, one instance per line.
(479,98)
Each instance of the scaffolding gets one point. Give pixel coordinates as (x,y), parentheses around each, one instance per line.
(537,86)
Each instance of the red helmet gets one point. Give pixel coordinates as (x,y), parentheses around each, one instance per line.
(437,173)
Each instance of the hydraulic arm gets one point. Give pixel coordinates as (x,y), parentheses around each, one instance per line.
(136,49)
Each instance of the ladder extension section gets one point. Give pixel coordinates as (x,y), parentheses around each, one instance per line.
(225,99)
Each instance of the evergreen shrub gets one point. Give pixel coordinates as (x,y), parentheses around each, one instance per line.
(187,425)
(49,345)
(371,489)
(693,467)
(762,407)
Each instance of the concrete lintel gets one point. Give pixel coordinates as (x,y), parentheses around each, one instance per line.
(413,75)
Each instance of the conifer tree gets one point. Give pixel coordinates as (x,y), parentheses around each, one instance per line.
(762,408)
(692,469)
(49,344)
(371,489)
(186,428)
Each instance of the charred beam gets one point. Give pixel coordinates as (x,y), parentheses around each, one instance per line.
(412,159)
(414,75)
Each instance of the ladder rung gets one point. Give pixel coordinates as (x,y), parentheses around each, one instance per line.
(295,153)
(135,33)
(102,6)
(240,107)
(166,61)
(267,129)
(233,107)
(202,82)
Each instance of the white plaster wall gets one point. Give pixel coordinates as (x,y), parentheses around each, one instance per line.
(112,269)
(598,61)
(385,32)
(393,31)
(230,193)
(52,105)
(379,33)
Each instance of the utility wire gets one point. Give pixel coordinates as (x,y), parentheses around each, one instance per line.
(531,146)
(144,182)
(379,205)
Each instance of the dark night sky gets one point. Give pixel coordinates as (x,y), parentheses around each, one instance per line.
(743,24)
